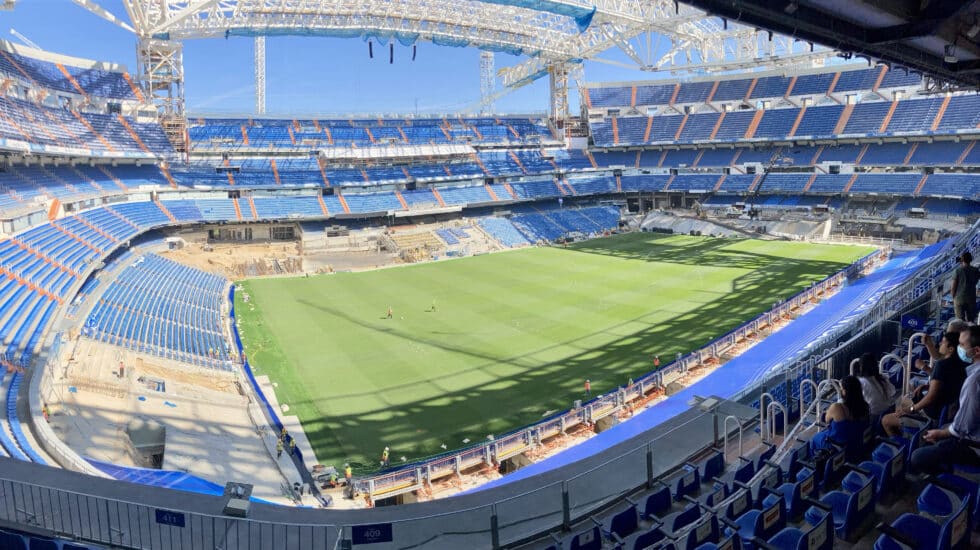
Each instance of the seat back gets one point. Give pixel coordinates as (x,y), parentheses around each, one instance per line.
(587,540)
(741,502)
(625,522)
(956,529)
(807,480)
(765,455)
(772,519)
(820,536)
(706,530)
(833,468)
(12,541)
(773,479)
(678,521)
(860,504)
(686,484)
(745,472)
(648,539)
(713,466)
(41,543)
(658,502)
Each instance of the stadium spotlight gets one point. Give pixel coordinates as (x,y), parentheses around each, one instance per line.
(950,56)
(973,31)
(791,8)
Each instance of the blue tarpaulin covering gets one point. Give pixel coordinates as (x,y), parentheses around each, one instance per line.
(581,12)
(772,353)
(168,479)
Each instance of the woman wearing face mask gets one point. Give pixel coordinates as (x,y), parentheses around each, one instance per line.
(846,420)
(943,389)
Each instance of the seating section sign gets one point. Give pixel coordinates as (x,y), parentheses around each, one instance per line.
(370,534)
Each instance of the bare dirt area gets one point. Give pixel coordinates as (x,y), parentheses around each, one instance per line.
(238,260)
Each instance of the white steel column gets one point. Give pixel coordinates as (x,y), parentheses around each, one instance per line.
(260,75)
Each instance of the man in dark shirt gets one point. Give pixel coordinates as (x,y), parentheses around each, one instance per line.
(964,289)
(945,383)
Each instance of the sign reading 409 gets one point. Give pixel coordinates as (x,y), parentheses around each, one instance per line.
(369,534)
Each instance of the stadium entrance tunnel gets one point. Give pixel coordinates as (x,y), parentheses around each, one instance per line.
(606,423)
(514,463)
(147,442)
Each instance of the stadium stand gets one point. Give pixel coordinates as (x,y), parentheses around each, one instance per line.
(782,497)
(180,319)
(63,77)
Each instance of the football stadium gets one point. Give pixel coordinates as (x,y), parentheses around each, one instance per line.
(636,274)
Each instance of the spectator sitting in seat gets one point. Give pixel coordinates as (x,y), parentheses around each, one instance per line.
(943,389)
(878,391)
(959,442)
(846,419)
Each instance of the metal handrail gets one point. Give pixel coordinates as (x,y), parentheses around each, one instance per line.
(771,429)
(738,423)
(906,376)
(806,383)
(764,414)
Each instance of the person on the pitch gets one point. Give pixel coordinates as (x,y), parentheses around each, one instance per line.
(588,388)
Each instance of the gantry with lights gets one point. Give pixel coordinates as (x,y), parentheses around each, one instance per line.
(551,38)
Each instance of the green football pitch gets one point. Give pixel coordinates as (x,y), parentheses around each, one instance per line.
(487,344)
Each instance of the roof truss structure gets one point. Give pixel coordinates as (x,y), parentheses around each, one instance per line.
(551,37)
(545,31)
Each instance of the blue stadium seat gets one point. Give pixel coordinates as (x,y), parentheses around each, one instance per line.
(760,523)
(919,531)
(818,536)
(850,506)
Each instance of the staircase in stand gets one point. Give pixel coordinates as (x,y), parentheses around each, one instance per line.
(343,203)
(164,210)
(809,183)
(323,205)
(517,161)
(922,183)
(438,196)
(939,115)
(844,117)
(275,171)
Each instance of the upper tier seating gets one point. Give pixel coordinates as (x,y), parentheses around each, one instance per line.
(42,126)
(314,134)
(730,90)
(870,118)
(92,81)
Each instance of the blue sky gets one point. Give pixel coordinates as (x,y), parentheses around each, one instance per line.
(304,75)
